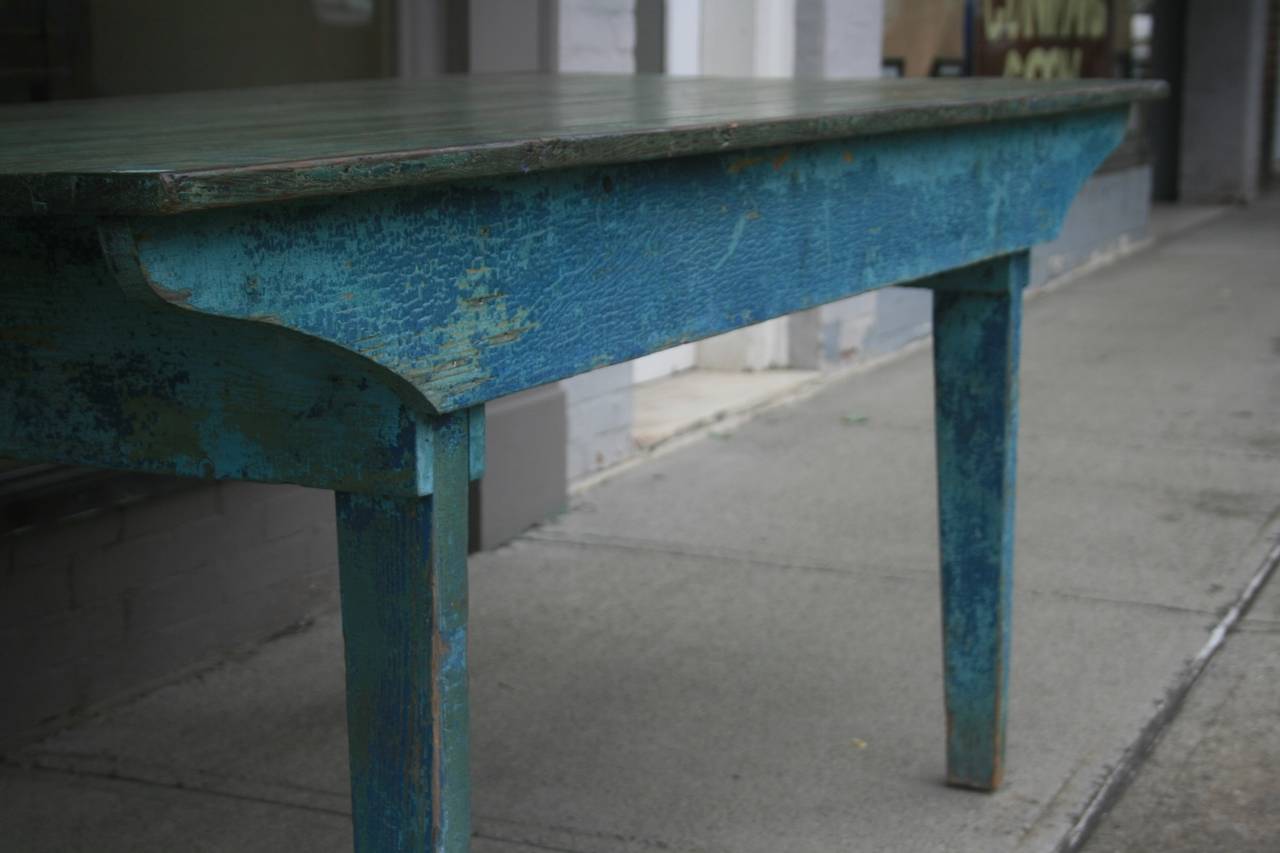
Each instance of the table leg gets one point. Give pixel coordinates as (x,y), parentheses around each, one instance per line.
(404,619)
(977,316)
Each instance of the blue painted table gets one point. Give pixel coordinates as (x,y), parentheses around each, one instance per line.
(323,285)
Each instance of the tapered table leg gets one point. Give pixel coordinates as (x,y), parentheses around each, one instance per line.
(977,314)
(404,619)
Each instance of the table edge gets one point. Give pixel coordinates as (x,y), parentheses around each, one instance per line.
(161,193)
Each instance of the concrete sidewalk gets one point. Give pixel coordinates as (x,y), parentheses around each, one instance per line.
(734,647)
(1212,781)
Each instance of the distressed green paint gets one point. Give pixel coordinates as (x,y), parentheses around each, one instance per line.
(404,622)
(977,317)
(176,153)
(485,287)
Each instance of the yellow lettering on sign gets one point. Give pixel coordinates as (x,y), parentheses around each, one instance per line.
(1072,18)
(1028,19)
(1043,17)
(1085,19)
(997,23)
(1097,19)
(1042,63)
(1039,64)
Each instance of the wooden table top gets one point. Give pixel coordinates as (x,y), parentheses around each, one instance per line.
(173,153)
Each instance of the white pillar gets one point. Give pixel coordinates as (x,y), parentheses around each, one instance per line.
(839,38)
(594,35)
(775,38)
(682,32)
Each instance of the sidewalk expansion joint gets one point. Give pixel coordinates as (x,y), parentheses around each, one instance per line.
(598,835)
(648,546)
(169,786)
(535,845)
(1123,602)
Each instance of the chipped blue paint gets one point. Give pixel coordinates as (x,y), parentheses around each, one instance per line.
(350,341)
(93,378)
(976,327)
(482,288)
(476,438)
(404,620)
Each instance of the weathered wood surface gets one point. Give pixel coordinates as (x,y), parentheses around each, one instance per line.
(488,286)
(977,321)
(95,369)
(403,563)
(173,153)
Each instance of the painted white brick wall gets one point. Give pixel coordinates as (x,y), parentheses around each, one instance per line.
(97,605)
(599,409)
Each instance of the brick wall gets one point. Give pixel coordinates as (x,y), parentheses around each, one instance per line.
(107,603)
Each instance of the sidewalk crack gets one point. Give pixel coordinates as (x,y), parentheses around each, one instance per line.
(649,546)
(601,835)
(106,766)
(149,783)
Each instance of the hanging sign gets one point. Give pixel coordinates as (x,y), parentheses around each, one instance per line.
(1042,38)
